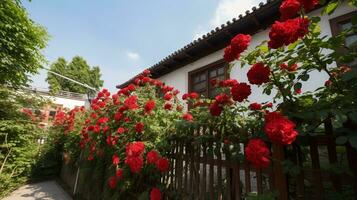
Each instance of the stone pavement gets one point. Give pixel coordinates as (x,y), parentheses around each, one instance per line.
(48,190)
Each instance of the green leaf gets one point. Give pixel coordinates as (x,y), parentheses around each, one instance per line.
(264,48)
(331,7)
(305,77)
(297,86)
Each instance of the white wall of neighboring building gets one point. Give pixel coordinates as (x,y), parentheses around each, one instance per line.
(179,77)
(65,102)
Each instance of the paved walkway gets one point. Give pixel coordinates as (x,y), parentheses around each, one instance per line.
(48,190)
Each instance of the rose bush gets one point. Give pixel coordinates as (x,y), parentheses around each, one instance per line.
(130,127)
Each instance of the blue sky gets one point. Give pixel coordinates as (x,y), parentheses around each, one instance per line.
(123,37)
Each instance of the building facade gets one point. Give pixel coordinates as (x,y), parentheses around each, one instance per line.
(191,68)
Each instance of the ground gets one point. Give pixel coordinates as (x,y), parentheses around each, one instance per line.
(48,190)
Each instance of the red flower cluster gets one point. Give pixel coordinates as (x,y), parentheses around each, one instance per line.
(192,95)
(258,74)
(131,102)
(162,164)
(115,159)
(221,100)
(238,44)
(279,129)
(290,8)
(255,106)
(149,106)
(152,157)
(285,33)
(139,127)
(112,182)
(155,194)
(187,116)
(134,158)
(290,68)
(240,92)
(257,153)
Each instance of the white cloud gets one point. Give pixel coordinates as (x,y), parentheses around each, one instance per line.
(133,55)
(199,32)
(226,10)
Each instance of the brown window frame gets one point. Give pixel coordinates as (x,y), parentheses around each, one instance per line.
(207,69)
(336,29)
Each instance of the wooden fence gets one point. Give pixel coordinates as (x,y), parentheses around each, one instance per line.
(318,169)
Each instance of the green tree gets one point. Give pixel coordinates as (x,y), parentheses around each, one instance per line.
(79,70)
(21,42)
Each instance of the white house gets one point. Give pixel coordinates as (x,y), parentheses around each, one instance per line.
(191,67)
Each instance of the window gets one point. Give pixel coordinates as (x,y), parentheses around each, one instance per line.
(200,79)
(340,24)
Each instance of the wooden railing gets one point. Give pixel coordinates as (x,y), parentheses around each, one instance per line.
(317,169)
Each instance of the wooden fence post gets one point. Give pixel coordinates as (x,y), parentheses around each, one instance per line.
(280,181)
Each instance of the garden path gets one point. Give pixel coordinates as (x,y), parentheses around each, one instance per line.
(47,190)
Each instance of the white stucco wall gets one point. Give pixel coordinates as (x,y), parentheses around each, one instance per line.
(179,77)
(66,103)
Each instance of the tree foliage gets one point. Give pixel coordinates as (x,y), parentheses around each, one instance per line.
(79,70)
(19,132)
(21,42)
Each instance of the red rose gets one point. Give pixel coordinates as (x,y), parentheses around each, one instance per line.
(285,33)
(297,91)
(155,194)
(240,92)
(255,106)
(149,106)
(187,117)
(146,72)
(112,182)
(240,43)
(228,83)
(162,164)
(131,102)
(185,96)
(215,109)
(269,105)
(257,153)
(289,9)
(168,96)
(134,149)
(223,99)
(152,157)
(309,4)
(194,95)
(121,130)
(213,82)
(139,127)
(328,83)
(229,55)
(135,163)
(119,173)
(115,159)
(168,106)
(258,74)
(279,129)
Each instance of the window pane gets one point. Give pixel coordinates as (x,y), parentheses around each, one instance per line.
(213,73)
(346,25)
(199,86)
(196,79)
(203,77)
(351,41)
(221,71)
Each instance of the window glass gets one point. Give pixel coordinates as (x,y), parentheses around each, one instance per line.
(201,80)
